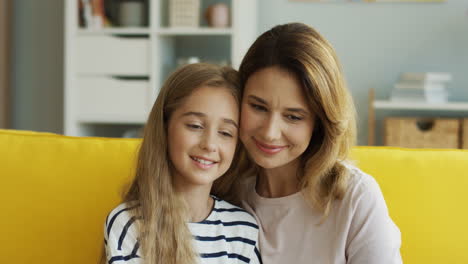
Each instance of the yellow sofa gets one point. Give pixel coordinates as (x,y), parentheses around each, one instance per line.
(57,190)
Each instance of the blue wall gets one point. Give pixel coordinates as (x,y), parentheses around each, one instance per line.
(376,42)
(37,78)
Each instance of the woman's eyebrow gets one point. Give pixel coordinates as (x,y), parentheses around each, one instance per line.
(290,109)
(258,99)
(297,110)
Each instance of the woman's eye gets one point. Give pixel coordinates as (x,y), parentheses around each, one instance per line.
(226,134)
(194,126)
(258,107)
(294,118)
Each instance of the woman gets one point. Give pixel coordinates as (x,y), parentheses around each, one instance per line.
(298,125)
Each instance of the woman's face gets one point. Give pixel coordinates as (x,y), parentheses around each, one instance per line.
(202,136)
(276,122)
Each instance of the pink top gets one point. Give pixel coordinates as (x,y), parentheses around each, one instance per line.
(357,230)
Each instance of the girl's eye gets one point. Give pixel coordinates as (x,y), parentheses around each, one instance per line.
(258,107)
(294,118)
(194,126)
(225,134)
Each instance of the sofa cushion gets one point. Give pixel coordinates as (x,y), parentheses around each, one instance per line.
(56,192)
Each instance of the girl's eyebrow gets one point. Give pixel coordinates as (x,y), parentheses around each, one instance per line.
(203,115)
(230,121)
(197,114)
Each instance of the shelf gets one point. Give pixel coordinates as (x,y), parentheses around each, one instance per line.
(113,73)
(117,31)
(194,31)
(111,119)
(450,106)
(162,31)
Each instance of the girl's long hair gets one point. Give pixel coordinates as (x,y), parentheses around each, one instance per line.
(301,50)
(163,232)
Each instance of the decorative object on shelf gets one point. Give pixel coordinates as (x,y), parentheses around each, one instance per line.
(370,1)
(447,108)
(132,13)
(184,13)
(133,133)
(217,15)
(429,87)
(92,14)
(422,132)
(189,60)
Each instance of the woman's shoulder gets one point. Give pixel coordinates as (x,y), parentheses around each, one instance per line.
(371,228)
(360,182)
(363,192)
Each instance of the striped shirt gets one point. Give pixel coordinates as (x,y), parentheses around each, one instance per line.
(228,235)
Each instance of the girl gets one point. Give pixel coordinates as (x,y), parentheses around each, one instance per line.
(298,125)
(168,215)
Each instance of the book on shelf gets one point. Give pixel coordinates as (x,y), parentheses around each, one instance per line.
(420,95)
(420,85)
(429,87)
(426,76)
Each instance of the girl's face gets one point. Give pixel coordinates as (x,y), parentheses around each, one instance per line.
(276,123)
(202,136)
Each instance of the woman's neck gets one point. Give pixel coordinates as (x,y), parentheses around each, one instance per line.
(278,182)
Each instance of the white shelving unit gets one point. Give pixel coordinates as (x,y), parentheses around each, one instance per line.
(113,75)
(459,107)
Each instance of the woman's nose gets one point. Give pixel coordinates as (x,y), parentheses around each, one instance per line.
(272,128)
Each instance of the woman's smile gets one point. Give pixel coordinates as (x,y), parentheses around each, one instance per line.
(267,148)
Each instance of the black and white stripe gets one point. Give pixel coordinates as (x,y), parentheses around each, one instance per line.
(228,235)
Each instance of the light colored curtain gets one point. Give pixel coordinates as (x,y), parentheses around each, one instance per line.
(5,11)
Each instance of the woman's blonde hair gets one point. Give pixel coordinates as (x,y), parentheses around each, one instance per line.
(301,50)
(163,232)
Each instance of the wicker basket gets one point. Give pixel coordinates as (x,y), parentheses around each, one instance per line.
(464,134)
(422,133)
(184,13)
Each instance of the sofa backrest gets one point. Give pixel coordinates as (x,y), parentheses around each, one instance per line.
(56,192)
(427,194)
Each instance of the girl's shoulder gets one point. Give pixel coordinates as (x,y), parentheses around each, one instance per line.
(229,212)
(121,234)
(121,215)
